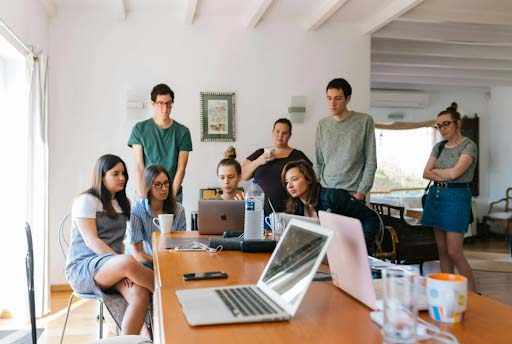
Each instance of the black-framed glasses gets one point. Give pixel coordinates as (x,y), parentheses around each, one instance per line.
(444,124)
(159,185)
(161,104)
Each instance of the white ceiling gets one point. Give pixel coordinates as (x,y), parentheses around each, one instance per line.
(416,44)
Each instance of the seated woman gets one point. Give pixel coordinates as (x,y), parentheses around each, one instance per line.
(229,173)
(267,168)
(307,197)
(96,260)
(159,200)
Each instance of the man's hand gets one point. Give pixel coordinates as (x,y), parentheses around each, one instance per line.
(359,196)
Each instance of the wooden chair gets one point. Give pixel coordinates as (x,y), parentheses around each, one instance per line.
(501,215)
(212,193)
(415,244)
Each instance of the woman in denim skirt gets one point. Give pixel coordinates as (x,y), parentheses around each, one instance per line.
(448,204)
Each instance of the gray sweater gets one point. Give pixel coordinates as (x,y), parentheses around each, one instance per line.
(345,153)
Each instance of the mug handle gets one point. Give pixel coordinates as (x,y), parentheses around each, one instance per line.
(156,224)
(267,221)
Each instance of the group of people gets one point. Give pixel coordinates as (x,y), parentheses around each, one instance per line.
(339,182)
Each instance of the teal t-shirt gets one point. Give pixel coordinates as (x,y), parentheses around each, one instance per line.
(161,146)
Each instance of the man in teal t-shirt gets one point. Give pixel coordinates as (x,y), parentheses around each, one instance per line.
(161,140)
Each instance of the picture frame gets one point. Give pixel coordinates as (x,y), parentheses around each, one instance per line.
(218,117)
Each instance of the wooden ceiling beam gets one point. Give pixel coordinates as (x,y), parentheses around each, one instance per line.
(387,14)
(257,13)
(325,11)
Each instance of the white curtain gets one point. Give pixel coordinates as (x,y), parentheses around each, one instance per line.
(37,182)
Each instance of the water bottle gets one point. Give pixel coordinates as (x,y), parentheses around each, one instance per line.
(254,200)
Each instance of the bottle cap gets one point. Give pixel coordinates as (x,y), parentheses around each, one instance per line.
(255,181)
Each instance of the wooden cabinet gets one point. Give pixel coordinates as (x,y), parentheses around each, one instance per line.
(470,128)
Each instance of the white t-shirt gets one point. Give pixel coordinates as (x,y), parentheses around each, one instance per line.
(86,206)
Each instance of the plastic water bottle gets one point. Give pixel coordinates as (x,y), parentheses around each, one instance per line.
(254,200)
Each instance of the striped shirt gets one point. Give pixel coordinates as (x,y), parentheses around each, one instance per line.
(141,225)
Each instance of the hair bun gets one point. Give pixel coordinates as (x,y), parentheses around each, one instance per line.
(230,153)
(453,106)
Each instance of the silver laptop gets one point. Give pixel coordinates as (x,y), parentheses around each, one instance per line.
(349,262)
(217,216)
(279,291)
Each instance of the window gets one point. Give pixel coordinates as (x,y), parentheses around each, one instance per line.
(401,158)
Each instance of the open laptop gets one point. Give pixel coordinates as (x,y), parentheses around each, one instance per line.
(217,216)
(349,262)
(280,288)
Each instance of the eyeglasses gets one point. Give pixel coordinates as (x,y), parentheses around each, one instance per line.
(159,185)
(444,124)
(161,104)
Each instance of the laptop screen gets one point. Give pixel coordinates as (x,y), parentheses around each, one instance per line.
(294,262)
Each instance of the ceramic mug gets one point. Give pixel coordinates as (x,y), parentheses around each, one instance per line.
(447,297)
(164,222)
(269,153)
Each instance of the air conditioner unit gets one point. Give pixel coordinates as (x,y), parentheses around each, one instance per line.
(400,99)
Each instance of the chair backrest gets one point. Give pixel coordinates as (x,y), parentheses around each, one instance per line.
(388,209)
(29,266)
(508,199)
(213,193)
(63,239)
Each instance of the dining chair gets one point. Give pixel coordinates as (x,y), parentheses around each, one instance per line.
(64,246)
(29,267)
(503,214)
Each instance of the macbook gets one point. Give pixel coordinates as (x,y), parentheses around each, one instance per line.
(280,288)
(217,216)
(349,262)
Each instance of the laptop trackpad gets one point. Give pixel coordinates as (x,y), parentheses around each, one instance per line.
(202,306)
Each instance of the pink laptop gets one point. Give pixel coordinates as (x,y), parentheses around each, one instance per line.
(348,258)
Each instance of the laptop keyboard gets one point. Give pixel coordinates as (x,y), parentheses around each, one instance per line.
(244,301)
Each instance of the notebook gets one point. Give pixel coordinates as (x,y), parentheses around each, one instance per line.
(217,216)
(349,262)
(280,288)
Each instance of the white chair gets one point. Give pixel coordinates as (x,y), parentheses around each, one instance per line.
(64,246)
(501,215)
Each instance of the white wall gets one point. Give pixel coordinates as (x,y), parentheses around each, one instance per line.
(500,142)
(28,19)
(95,60)
(470,102)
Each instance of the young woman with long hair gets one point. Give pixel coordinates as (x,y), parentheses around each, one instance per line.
(96,261)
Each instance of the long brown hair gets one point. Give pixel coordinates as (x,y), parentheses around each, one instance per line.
(150,173)
(104,164)
(313,191)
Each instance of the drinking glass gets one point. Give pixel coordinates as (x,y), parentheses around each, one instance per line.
(399,291)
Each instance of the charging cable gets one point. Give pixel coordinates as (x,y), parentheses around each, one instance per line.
(434,332)
(198,246)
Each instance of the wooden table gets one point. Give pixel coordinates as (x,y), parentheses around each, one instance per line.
(326,315)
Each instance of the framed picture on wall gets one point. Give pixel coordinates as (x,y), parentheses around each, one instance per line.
(217,116)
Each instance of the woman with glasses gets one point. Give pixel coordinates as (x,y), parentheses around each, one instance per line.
(229,173)
(96,261)
(448,204)
(158,199)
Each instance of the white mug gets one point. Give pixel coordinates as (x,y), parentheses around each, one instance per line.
(447,297)
(164,222)
(269,153)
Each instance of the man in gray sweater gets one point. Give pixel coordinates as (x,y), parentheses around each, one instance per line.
(345,144)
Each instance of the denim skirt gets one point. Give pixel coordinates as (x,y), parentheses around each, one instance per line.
(448,209)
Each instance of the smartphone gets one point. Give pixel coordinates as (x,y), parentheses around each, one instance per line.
(204,275)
